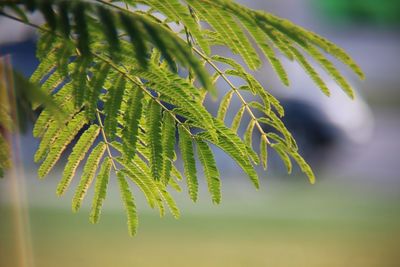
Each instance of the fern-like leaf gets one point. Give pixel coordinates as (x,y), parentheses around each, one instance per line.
(100,190)
(95,86)
(210,170)
(168,146)
(264,152)
(66,136)
(231,144)
(248,135)
(88,175)
(230,31)
(112,107)
(154,139)
(283,155)
(129,203)
(78,153)
(237,119)
(189,163)
(223,107)
(131,119)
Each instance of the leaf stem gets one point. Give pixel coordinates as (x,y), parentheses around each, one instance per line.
(106,141)
(237,92)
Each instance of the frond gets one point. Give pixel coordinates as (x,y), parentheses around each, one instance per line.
(157,188)
(145,183)
(78,153)
(92,93)
(168,146)
(64,138)
(305,168)
(223,22)
(176,12)
(79,78)
(248,135)
(223,107)
(231,144)
(100,190)
(237,119)
(210,170)
(264,152)
(154,139)
(112,106)
(128,77)
(189,163)
(311,71)
(283,155)
(89,172)
(131,119)
(129,202)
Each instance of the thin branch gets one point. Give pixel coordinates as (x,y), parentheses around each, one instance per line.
(106,141)
(237,92)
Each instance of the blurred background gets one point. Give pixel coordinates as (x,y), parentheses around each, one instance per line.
(351,217)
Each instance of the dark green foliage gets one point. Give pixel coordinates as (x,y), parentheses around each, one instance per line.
(81,28)
(136,32)
(127,77)
(112,107)
(110,32)
(63,11)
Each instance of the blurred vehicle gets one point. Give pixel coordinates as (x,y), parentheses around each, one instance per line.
(322,125)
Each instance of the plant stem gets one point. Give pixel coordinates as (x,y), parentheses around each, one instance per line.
(106,141)
(237,92)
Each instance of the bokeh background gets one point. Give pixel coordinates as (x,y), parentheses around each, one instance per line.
(351,217)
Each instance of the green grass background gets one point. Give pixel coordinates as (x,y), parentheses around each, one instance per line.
(283,224)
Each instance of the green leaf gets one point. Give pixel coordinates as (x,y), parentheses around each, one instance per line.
(79,11)
(135,31)
(237,119)
(305,168)
(131,119)
(282,154)
(129,203)
(210,170)
(79,80)
(264,151)
(78,153)
(112,107)
(224,23)
(100,190)
(231,144)
(66,136)
(248,135)
(189,163)
(154,139)
(223,107)
(311,71)
(89,172)
(168,146)
(92,93)
(110,32)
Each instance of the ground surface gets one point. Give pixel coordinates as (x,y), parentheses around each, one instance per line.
(289,225)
